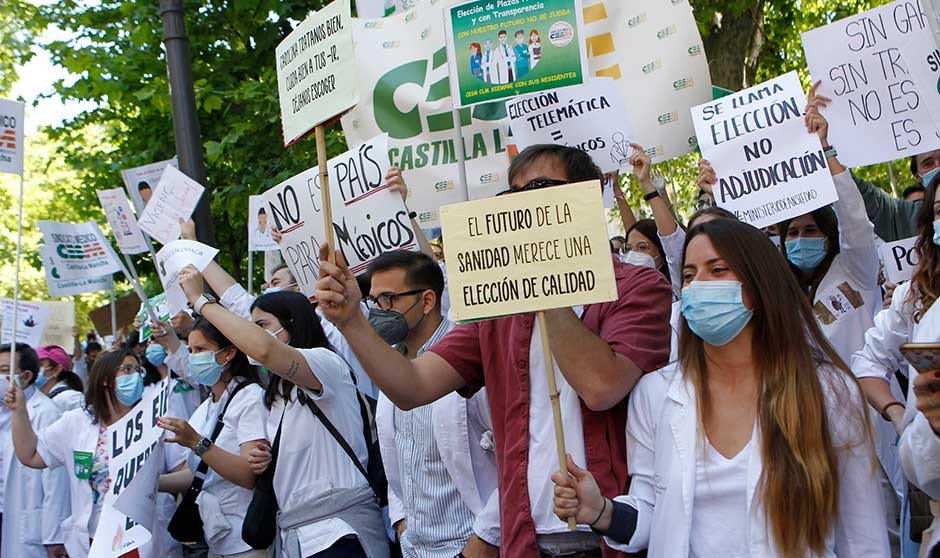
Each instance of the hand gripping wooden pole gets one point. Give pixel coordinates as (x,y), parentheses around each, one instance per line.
(320,132)
(556,404)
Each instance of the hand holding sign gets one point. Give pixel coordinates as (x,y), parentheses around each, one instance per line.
(337,289)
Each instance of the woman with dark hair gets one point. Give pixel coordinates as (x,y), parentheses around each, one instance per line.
(643,247)
(236,405)
(326,506)
(756,442)
(55,379)
(912,317)
(77,441)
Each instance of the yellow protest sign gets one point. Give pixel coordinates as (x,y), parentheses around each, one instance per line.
(527,252)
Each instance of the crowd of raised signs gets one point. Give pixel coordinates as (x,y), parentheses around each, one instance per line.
(748,393)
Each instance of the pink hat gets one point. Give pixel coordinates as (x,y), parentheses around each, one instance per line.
(56,354)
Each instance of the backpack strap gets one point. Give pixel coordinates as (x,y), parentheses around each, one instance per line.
(58,391)
(336,435)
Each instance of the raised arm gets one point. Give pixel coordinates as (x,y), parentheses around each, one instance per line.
(665,221)
(24,439)
(627,217)
(407,383)
(396,183)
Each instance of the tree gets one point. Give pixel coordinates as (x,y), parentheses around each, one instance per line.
(18,27)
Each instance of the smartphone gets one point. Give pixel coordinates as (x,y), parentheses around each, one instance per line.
(924,357)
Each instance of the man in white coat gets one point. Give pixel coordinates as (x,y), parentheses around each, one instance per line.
(505,60)
(35,502)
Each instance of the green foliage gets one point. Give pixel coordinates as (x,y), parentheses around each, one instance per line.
(18,27)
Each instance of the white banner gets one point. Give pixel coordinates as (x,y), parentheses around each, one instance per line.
(79,250)
(68,287)
(374,9)
(175,198)
(900,259)
(368,219)
(316,70)
(123,223)
(171,259)
(591,117)
(135,460)
(12,125)
(142,181)
(259,227)
(59,327)
(769,168)
(877,113)
(32,318)
(922,57)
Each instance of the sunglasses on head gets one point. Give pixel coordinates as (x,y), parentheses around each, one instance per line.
(536,184)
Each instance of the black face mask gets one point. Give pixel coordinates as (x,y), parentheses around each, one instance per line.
(391,325)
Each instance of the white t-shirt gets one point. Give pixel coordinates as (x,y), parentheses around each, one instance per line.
(719,509)
(244,421)
(68,399)
(310,461)
(543,454)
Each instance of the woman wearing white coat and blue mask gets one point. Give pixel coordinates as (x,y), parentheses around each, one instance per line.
(34,503)
(76,442)
(756,443)
(237,400)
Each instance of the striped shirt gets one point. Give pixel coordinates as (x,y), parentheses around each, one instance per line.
(439,523)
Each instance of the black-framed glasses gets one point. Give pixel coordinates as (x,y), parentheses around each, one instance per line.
(385,301)
(536,184)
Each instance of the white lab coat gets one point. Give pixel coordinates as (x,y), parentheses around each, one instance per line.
(662,437)
(35,501)
(463,433)
(919,447)
(505,61)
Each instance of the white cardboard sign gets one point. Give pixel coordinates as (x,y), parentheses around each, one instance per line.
(32,318)
(123,223)
(592,117)
(142,181)
(922,57)
(900,259)
(877,112)
(69,287)
(12,125)
(175,198)
(316,70)
(769,167)
(79,250)
(259,226)
(171,259)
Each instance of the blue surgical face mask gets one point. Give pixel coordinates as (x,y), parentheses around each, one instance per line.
(715,310)
(928,176)
(806,253)
(156,354)
(936,232)
(204,369)
(129,389)
(41,378)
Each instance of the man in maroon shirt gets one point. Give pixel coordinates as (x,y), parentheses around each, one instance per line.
(600,352)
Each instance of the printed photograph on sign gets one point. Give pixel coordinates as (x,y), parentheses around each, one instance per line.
(769,167)
(259,226)
(502,49)
(140,182)
(175,198)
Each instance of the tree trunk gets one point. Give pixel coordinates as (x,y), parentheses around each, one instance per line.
(733,45)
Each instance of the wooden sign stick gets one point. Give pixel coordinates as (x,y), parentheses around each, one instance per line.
(556,404)
(325,190)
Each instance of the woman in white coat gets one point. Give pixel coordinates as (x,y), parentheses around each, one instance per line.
(756,443)
(913,317)
(55,379)
(35,503)
(76,442)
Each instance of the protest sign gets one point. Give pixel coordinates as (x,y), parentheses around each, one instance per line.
(371,9)
(403,80)
(877,113)
(259,227)
(316,70)
(498,49)
(368,219)
(131,444)
(900,259)
(79,250)
(652,48)
(32,318)
(12,125)
(68,287)
(769,168)
(160,309)
(141,181)
(921,55)
(126,307)
(123,223)
(527,252)
(171,259)
(59,327)
(591,117)
(175,198)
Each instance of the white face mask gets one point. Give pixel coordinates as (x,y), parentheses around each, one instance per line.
(640,259)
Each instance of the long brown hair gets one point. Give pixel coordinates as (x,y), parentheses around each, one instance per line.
(799,485)
(101,384)
(926,279)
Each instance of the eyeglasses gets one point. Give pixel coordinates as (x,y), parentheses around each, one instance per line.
(128,369)
(385,301)
(536,184)
(642,246)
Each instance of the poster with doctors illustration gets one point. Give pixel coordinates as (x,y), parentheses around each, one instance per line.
(503,48)
(259,228)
